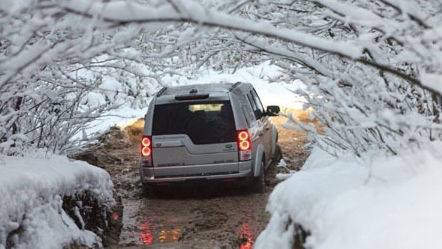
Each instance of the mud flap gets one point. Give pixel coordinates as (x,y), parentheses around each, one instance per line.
(258,159)
(274,140)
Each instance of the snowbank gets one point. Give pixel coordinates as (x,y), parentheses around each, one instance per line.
(377,202)
(32,189)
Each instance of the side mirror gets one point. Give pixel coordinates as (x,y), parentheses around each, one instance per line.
(273,110)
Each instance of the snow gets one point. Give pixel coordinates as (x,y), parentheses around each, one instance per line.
(433,81)
(31,190)
(123,12)
(120,117)
(356,15)
(282,163)
(269,81)
(283,176)
(373,202)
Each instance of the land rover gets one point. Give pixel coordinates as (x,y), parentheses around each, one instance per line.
(218,132)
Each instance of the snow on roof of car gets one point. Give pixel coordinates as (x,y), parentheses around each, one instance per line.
(201,88)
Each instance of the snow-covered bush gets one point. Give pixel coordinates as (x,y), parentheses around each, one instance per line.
(58,72)
(47,202)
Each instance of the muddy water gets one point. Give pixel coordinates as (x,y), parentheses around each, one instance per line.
(205,216)
(213,219)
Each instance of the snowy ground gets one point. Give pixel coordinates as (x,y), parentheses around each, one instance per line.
(32,190)
(391,202)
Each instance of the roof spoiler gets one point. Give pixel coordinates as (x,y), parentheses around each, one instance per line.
(191,96)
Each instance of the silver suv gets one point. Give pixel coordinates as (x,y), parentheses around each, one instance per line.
(207,132)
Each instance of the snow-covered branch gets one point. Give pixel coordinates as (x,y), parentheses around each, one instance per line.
(352,49)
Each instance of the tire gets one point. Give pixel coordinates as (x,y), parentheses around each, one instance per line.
(259,184)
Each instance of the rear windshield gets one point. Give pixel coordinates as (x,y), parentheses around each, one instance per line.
(203,122)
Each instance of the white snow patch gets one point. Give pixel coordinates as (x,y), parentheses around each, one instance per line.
(283,176)
(433,81)
(281,163)
(269,81)
(31,190)
(120,117)
(392,202)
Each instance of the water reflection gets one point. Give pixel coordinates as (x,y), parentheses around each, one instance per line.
(149,234)
(205,226)
(170,235)
(115,216)
(246,236)
(146,233)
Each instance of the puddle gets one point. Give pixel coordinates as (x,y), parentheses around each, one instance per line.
(153,234)
(150,235)
(219,222)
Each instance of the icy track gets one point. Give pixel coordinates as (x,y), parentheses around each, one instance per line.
(31,195)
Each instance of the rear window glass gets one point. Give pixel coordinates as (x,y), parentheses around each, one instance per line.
(204,123)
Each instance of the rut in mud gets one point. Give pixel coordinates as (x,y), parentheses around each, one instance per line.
(214,216)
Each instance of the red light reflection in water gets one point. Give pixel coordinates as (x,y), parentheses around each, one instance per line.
(146,233)
(149,233)
(246,237)
(115,216)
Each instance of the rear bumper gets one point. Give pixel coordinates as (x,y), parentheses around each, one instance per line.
(196,172)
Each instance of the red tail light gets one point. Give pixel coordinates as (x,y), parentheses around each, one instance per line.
(244,145)
(146,147)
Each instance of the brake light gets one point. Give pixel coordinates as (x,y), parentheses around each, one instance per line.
(244,145)
(146,147)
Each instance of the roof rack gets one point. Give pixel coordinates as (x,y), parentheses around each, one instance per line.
(161,91)
(234,86)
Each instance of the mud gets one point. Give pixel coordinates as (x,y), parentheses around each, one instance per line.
(202,216)
(223,221)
